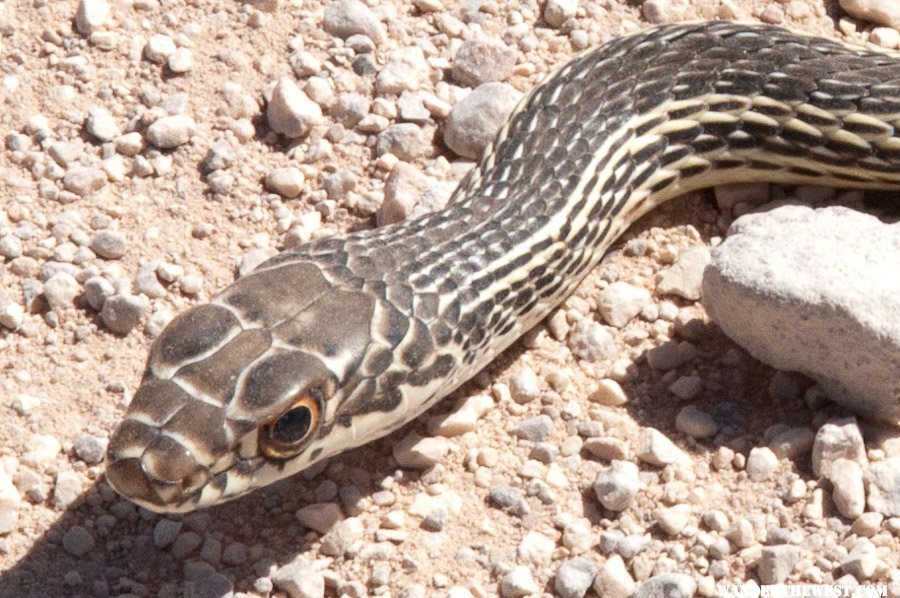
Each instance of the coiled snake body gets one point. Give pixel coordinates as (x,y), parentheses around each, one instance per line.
(343,340)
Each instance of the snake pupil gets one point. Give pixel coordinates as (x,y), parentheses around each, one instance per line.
(293,425)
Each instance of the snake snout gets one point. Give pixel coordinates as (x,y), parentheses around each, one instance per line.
(164,477)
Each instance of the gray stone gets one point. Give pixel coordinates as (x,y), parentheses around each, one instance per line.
(320,517)
(66,489)
(557,12)
(617,485)
(78,541)
(96,290)
(60,291)
(620,301)
(404,140)
(524,385)
(776,563)
(402,191)
(511,500)
(696,423)
(165,532)
(475,120)
(478,62)
(668,585)
(574,577)
(797,286)
(121,313)
(108,244)
(534,429)
(862,562)
(344,18)
(213,585)
(671,355)
(90,449)
(591,341)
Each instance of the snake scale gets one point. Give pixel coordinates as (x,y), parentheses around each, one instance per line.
(343,340)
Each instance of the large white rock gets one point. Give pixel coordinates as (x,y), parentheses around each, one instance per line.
(818,292)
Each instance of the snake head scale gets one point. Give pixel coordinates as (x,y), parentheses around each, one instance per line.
(241,392)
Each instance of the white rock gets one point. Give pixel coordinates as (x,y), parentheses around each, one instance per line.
(286,182)
(524,385)
(91,15)
(171,131)
(465,417)
(886,37)
(608,392)
(685,277)
(797,286)
(159,47)
(416,452)
(342,537)
(655,448)
(405,70)
(883,484)
(42,449)
(613,579)
(849,494)
(776,563)
(837,439)
(862,562)
(536,548)
(574,577)
(290,111)
(344,18)
(181,61)
(674,519)
(617,485)
(880,12)
(761,463)
(556,12)
(620,301)
(101,125)
(518,583)
(300,579)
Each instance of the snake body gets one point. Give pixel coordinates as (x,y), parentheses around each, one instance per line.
(343,340)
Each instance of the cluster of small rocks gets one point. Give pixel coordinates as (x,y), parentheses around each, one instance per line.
(611,459)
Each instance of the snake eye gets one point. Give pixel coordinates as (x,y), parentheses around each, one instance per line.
(281,436)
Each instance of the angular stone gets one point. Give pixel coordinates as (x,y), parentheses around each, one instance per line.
(796,286)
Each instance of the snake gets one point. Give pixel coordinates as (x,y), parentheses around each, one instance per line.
(343,340)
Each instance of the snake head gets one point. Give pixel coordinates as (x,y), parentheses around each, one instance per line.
(239,393)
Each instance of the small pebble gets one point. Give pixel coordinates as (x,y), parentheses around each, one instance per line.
(617,485)
(170,132)
(286,182)
(518,583)
(474,121)
(299,579)
(78,541)
(320,517)
(574,577)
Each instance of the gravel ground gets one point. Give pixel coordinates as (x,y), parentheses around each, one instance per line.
(154,149)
